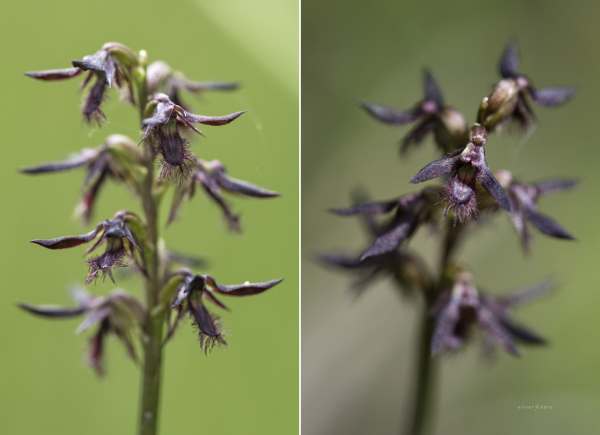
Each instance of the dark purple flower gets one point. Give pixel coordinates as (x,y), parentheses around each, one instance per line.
(162,79)
(213,178)
(430,116)
(189,299)
(410,212)
(115,160)
(459,308)
(466,166)
(509,99)
(110,65)
(120,240)
(118,314)
(406,269)
(172,149)
(523,201)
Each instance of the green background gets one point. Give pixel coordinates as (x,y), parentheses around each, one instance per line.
(357,355)
(250,387)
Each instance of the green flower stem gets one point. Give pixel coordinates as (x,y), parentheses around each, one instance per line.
(420,421)
(152,345)
(421,418)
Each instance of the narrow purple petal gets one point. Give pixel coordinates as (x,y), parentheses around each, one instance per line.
(551,97)
(400,229)
(373,208)
(547,226)
(489,182)
(509,64)
(432,90)
(523,334)
(239,186)
(552,186)
(417,134)
(389,115)
(246,289)
(196,87)
(341,261)
(208,120)
(52,311)
(55,74)
(69,241)
(438,168)
(214,300)
(496,330)
(445,324)
(74,162)
(527,294)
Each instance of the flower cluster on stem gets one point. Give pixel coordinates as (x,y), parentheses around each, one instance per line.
(134,241)
(452,303)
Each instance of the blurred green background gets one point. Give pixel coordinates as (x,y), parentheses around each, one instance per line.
(250,387)
(357,356)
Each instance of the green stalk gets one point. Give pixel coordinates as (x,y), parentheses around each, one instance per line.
(420,421)
(152,345)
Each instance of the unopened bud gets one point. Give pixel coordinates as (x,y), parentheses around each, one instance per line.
(453,131)
(500,104)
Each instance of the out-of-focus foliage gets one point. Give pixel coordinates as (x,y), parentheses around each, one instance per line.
(358,355)
(250,387)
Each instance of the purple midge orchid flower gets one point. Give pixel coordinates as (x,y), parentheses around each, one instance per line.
(405,268)
(213,178)
(173,150)
(509,99)
(112,160)
(410,212)
(189,299)
(430,115)
(466,166)
(162,79)
(120,242)
(459,308)
(523,199)
(117,314)
(109,65)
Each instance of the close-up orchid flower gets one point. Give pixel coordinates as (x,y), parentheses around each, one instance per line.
(509,100)
(430,116)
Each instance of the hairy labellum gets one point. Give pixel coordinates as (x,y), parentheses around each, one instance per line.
(105,263)
(459,196)
(120,240)
(466,165)
(173,151)
(209,325)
